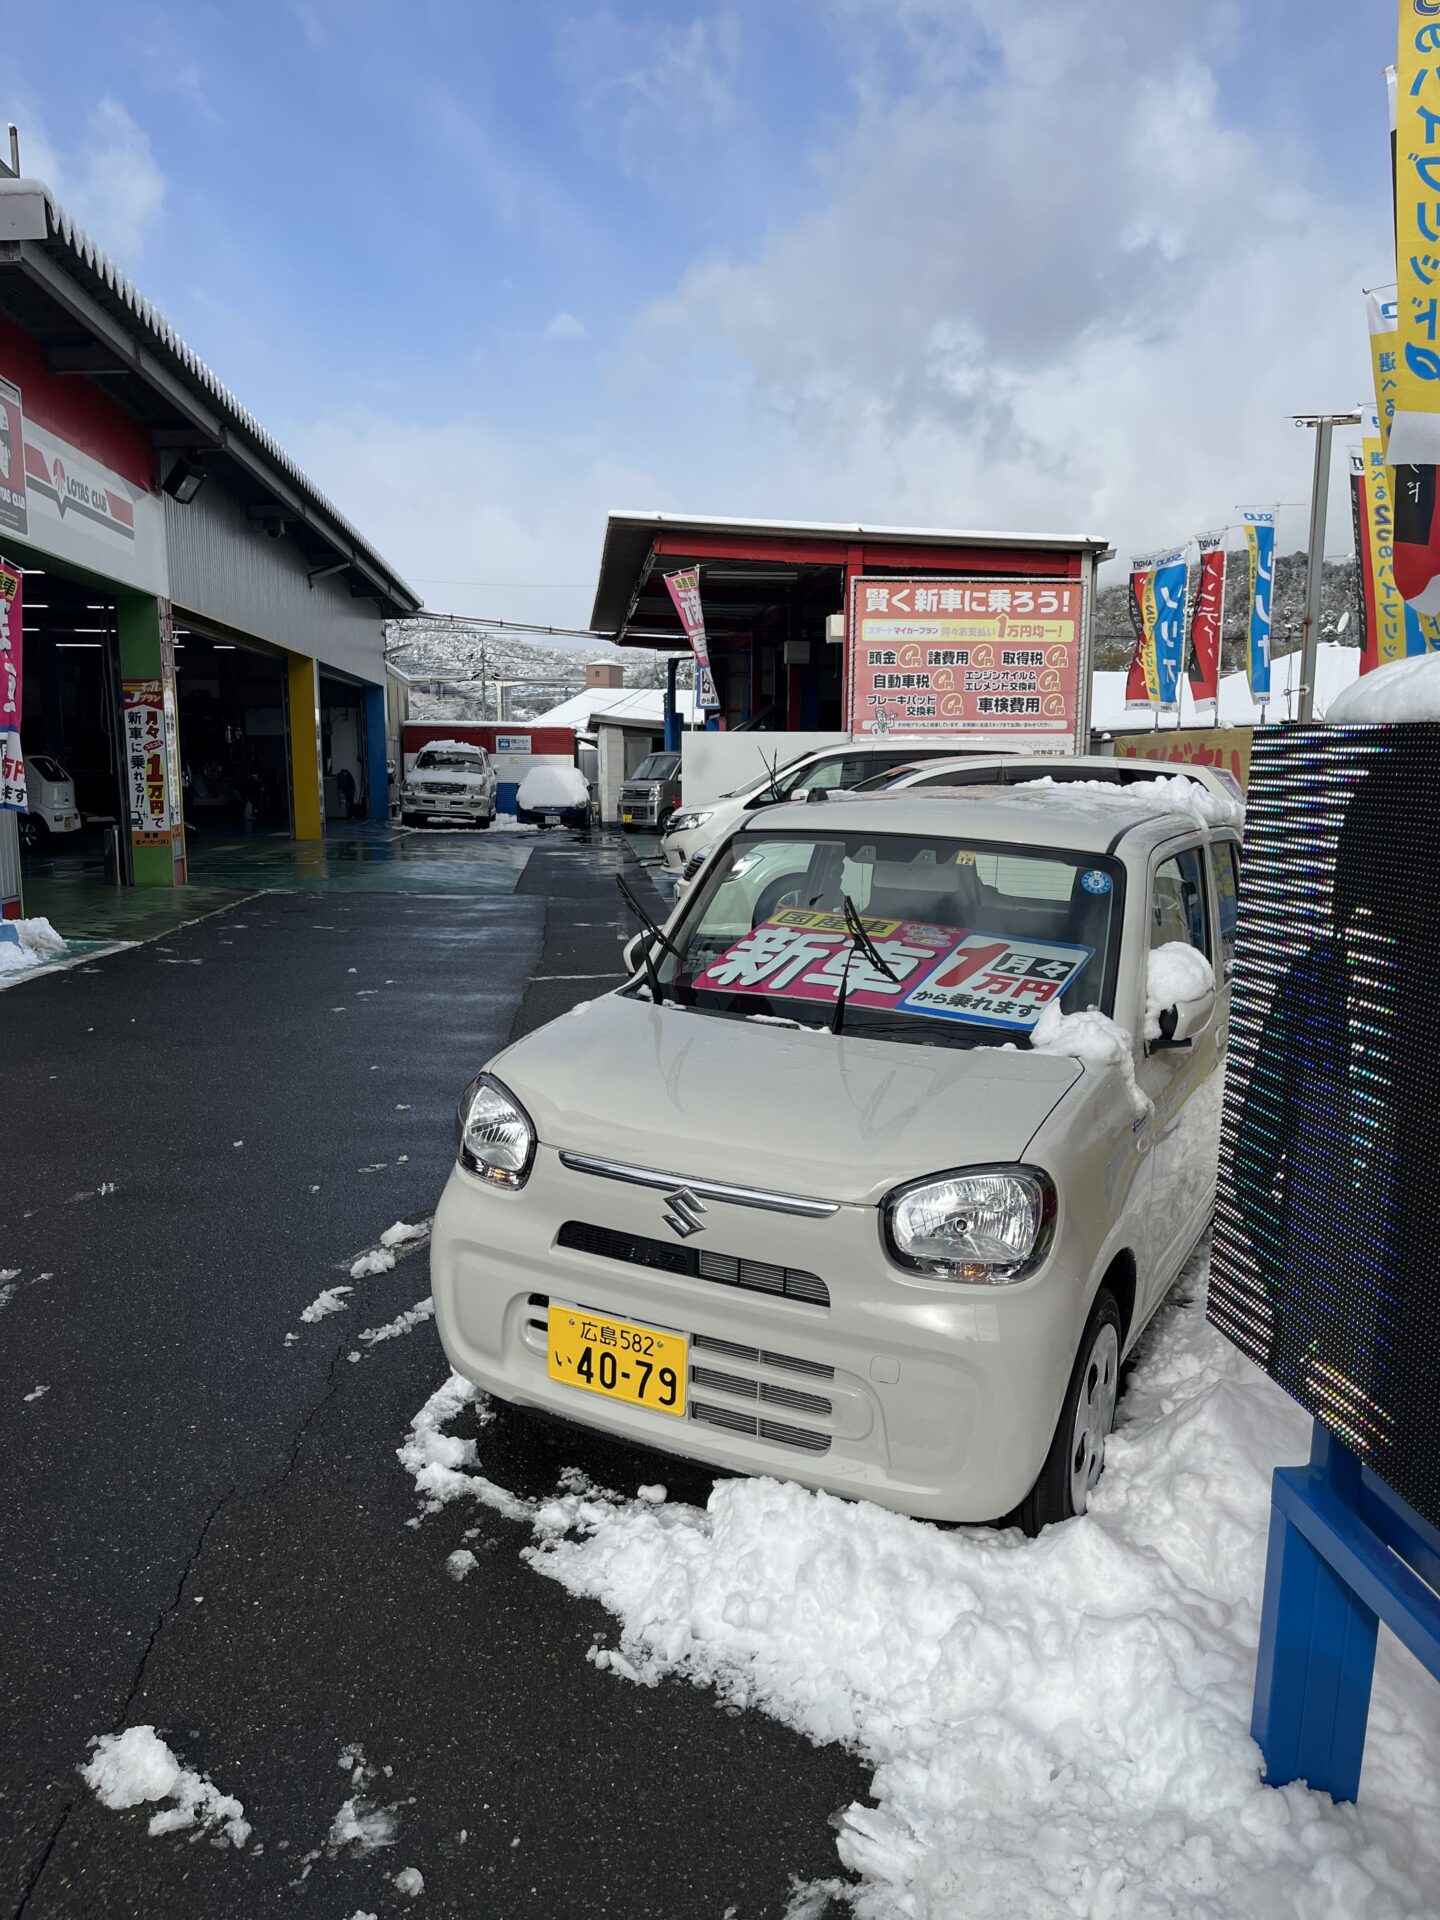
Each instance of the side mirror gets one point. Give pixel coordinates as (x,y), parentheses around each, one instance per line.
(1180,1023)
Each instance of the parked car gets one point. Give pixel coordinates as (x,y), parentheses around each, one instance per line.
(694,830)
(874,1214)
(1016,769)
(651,794)
(451,781)
(50,799)
(553,797)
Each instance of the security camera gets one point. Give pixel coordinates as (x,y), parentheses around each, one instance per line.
(274,529)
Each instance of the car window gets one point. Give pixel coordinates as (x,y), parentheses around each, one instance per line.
(430,760)
(825,774)
(1177,902)
(1226,856)
(976,942)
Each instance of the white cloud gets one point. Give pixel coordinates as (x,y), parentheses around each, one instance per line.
(107,178)
(1051,284)
(653,84)
(565,326)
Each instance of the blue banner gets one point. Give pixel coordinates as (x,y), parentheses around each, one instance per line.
(1172,577)
(1260,541)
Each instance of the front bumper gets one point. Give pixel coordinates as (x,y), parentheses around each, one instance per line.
(640,810)
(933,1399)
(447,806)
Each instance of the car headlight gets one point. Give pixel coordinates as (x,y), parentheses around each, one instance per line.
(989,1226)
(496,1138)
(685,822)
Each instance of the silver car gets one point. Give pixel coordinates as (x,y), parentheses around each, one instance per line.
(870,1177)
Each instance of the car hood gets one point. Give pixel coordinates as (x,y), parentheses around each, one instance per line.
(793,1110)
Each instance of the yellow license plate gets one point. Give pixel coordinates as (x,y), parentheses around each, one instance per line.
(627,819)
(639,1365)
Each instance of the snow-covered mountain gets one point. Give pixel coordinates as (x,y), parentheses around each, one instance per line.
(456,669)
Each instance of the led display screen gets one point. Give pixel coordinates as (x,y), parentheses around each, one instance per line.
(1326,1266)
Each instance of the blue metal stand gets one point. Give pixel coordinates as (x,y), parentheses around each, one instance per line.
(1345,1553)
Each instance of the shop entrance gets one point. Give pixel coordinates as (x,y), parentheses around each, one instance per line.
(233,761)
(343,757)
(70,728)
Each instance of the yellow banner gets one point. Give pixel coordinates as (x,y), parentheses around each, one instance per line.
(1147,616)
(1415,425)
(1380,308)
(1380,515)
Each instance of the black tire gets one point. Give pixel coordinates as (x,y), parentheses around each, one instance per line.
(33,833)
(489,820)
(407,819)
(1052,1497)
(772,895)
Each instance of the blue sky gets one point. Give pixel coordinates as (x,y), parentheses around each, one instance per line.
(489,269)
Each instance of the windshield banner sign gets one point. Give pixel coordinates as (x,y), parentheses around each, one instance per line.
(941,972)
(950,655)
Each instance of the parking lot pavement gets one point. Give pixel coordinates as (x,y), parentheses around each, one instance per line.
(205,1521)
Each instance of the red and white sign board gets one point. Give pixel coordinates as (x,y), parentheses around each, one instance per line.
(952,655)
(66,503)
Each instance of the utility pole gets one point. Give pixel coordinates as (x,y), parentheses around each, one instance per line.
(1324,425)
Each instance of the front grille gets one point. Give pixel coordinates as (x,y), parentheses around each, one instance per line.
(779,1432)
(442,786)
(753,1276)
(759,1357)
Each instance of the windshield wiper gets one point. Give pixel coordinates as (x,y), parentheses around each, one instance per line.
(860,942)
(652,976)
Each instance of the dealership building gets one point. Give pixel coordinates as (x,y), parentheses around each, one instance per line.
(203,633)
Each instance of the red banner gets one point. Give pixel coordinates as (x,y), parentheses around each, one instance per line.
(685,592)
(1202,653)
(12,704)
(1142,687)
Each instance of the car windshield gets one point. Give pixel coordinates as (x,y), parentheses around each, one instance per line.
(45,767)
(452,760)
(657,766)
(981,936)
(763,779)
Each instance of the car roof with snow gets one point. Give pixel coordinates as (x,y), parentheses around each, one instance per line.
(1078,818)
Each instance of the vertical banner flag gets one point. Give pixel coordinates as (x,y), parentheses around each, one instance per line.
(1364,560)
(1260,542)
(12,704)
(1142,688)
(1202,650)
(1415,427)
(685,592)
(1411,489)
(1388,609)
(1172,580)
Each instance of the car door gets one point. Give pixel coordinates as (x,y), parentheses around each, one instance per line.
(1185,1082)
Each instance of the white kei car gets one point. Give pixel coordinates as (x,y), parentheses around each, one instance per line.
(873,1182)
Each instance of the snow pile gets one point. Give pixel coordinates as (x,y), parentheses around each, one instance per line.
(1093,1038)
(1174,972)
(553,787)
(1059,1727)
(1404,690)
(332,1300)
(403,1323)
(35,942)
(409,1881)
(364,1826)
(461,1562)
(402,1232)
(1159,798)
(376,1260)
(136,1765)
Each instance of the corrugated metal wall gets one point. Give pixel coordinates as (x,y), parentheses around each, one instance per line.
(222,566)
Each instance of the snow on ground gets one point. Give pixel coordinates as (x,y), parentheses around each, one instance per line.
(403,1323)
(126,1769)
(35,944)
(402,1232)
(332,1300)
(377,1260)
(1059,1727)
(409,1881)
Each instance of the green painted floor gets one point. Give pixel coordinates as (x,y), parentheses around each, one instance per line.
(355,857)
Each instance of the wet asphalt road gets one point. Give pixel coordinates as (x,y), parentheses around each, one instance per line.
(204,1528)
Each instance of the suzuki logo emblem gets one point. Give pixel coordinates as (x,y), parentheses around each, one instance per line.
(685,1211)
